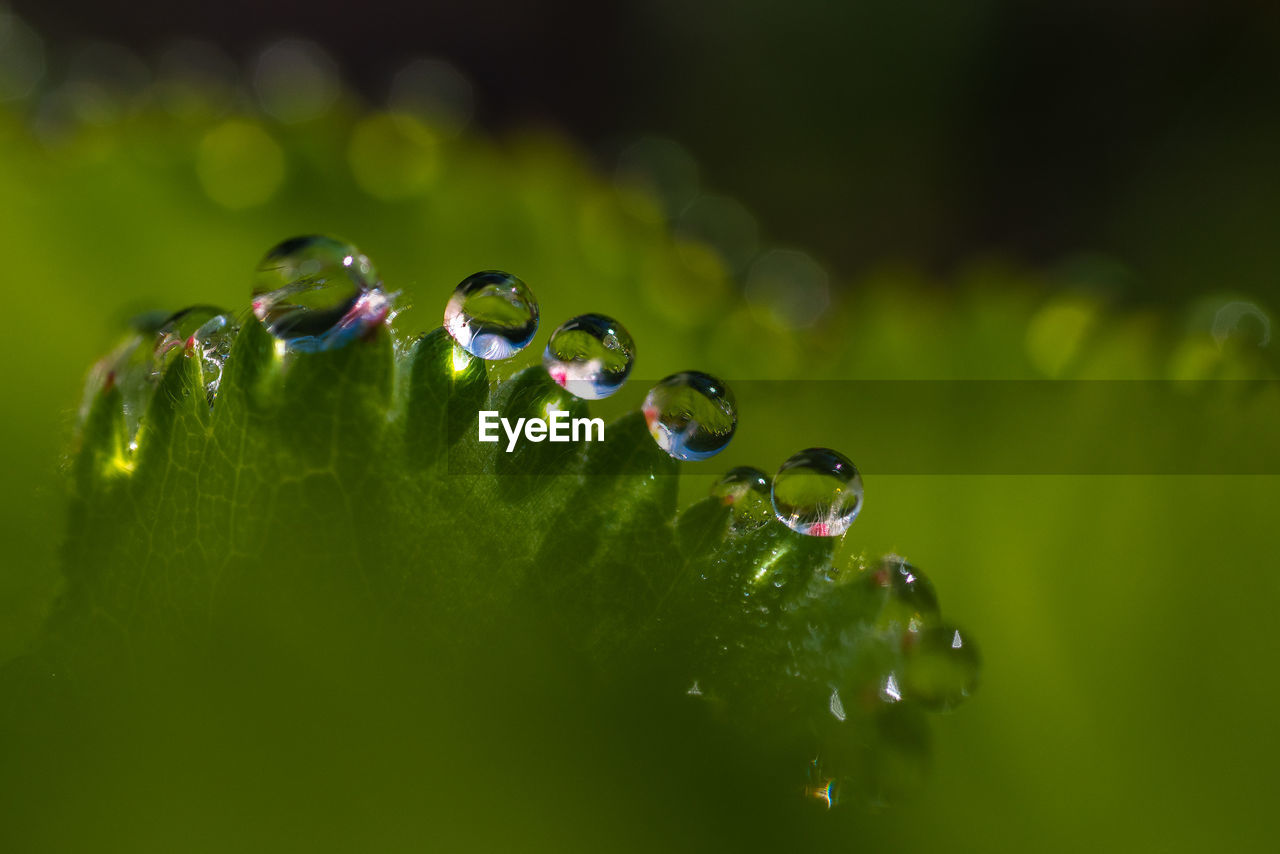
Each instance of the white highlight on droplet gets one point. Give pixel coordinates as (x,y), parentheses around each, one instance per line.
(837,705)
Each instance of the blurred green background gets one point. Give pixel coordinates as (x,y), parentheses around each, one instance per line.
(1125,619)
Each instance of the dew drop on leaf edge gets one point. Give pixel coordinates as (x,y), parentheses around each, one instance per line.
(940,668)
(817,492)
(691,415)
(746,490)
(317,293)
(203,330)
(492,315)
(590,356)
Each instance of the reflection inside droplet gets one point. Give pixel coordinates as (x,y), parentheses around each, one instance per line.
(590,356)
(317,293)
(691,415)
(492,314)
(818,492)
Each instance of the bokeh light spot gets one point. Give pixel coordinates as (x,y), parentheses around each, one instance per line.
(295,80)
(239,164)
(393,156)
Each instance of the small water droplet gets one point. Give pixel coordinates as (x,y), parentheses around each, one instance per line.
(746,490)
(1241,321)
(941,669)
(492,315)
(129,367)
(691,415)
(911,601)
(590,356)
(201,330)
(318,293)
(818,492)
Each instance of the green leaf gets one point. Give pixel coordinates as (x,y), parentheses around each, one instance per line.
(334,520)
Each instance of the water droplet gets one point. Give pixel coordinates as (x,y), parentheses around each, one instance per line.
(941,668)
(910,601)
(590,356)
(691,415)
(200,330)
(1241,321)
(492,315)
(318,293)
(746,490)
(129,367)
(817,492)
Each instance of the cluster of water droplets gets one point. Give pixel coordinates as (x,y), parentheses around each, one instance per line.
(493,315)
(204,331)
(317,292)
(939,664)
(816,492)
(136,365)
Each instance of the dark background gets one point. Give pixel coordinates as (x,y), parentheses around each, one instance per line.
(869,131)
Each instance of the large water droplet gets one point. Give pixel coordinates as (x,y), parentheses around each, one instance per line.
(941,668)
(201,330)
(318,293)
(691,415)
(746,490)
(590,356)
(817,492)
(492,315)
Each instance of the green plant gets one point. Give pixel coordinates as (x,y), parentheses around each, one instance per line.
(336,507)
